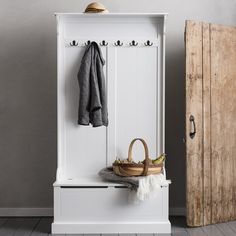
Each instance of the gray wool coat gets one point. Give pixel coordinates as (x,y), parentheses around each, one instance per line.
(92,99)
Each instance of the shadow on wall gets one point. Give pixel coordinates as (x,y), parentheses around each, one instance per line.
(175,124)
(27,115)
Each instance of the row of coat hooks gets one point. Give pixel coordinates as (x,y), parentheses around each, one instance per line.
(118,43)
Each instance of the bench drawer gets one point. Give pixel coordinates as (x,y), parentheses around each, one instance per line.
(110,204)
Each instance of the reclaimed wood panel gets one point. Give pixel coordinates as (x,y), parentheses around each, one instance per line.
(211,98)
(206,124)
(223,125)
(194,150)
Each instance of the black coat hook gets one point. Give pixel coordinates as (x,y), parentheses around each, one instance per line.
(148,43)
(73,43)
(118,43)
(87,43)
(133,43)
(103,43)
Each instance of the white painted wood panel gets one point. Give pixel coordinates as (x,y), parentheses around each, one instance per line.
(110,27)
(136,100)
(85,146)
(134,89)
(106,205)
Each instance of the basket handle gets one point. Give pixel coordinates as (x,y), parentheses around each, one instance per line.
(146,162)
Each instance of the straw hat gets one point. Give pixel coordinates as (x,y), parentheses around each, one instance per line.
(95,7)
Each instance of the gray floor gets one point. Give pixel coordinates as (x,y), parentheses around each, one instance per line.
(35,226)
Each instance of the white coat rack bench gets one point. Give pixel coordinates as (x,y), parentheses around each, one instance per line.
(133,46)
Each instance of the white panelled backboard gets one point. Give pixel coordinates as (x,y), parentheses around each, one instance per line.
(136,109)
(134,75)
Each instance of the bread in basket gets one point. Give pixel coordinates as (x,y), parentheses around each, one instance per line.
(147,167)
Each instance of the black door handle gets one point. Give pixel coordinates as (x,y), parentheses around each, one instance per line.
(192,133)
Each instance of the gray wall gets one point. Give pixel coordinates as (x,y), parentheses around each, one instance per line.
(28,90)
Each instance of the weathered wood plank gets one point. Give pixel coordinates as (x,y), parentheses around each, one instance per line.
(213,148)
(232,225)
(94,234)
(88,234)
(27,226)
(178,228)
(162,234)
(196,232)
(226,229)
(145,234)
(178,231)
(182,232)
(206,124)
(127,234)
(43,227)
(112,234)
(23,226)
(223,113)
(109,234)
(212,230)
(65,234)
(194,147)
(10,226)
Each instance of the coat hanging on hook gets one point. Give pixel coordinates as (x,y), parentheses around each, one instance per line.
(93,101)
(87,43)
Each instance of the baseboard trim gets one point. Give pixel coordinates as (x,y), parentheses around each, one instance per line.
(11,212)
(158,227)
(177,211)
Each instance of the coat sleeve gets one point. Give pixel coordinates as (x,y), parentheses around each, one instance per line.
(102,92)
(84,89)
(95,97)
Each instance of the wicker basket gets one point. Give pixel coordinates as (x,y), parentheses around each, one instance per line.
(137,169)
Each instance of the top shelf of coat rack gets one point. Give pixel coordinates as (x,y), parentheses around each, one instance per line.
(107,15)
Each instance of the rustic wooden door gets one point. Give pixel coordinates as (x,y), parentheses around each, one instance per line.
(210,123)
